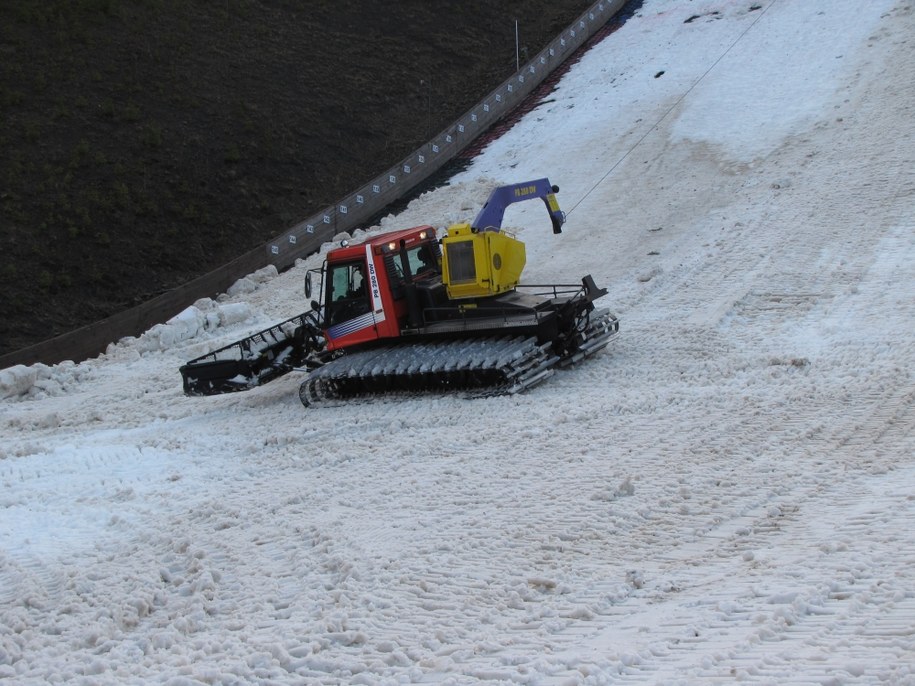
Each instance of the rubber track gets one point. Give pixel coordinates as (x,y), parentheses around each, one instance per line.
(479,366)
(509,364)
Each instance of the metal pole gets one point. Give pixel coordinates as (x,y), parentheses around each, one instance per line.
(517,51)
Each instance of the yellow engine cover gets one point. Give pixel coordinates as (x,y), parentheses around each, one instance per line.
(479,264)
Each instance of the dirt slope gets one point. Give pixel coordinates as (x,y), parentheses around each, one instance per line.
(148,141)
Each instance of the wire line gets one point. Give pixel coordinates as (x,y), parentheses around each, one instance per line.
(672,108)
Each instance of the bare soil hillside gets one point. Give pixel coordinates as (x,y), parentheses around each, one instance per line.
(148,141)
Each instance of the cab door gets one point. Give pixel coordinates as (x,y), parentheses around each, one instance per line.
(353,306)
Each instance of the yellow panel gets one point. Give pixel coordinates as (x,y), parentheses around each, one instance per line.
(476,265)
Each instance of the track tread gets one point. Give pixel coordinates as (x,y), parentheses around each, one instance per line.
(478,367)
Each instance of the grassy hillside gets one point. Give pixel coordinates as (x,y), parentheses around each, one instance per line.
(148,141)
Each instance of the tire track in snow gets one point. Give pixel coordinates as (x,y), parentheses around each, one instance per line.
(27,581)
(857,624)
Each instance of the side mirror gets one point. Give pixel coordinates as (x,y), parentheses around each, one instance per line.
(315,305)
(308,285)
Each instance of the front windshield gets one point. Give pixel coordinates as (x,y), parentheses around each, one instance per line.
(423,259)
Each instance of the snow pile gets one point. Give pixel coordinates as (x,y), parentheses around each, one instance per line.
(204,316)
(40,380)
(17,380)
(252,282)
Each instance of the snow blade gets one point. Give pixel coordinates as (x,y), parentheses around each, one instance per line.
(255,360)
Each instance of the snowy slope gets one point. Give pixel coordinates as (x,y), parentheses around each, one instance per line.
(726,493)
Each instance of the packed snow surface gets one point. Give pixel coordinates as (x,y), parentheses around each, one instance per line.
(726,493)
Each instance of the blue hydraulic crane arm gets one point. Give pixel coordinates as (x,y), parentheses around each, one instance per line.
(490,217)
